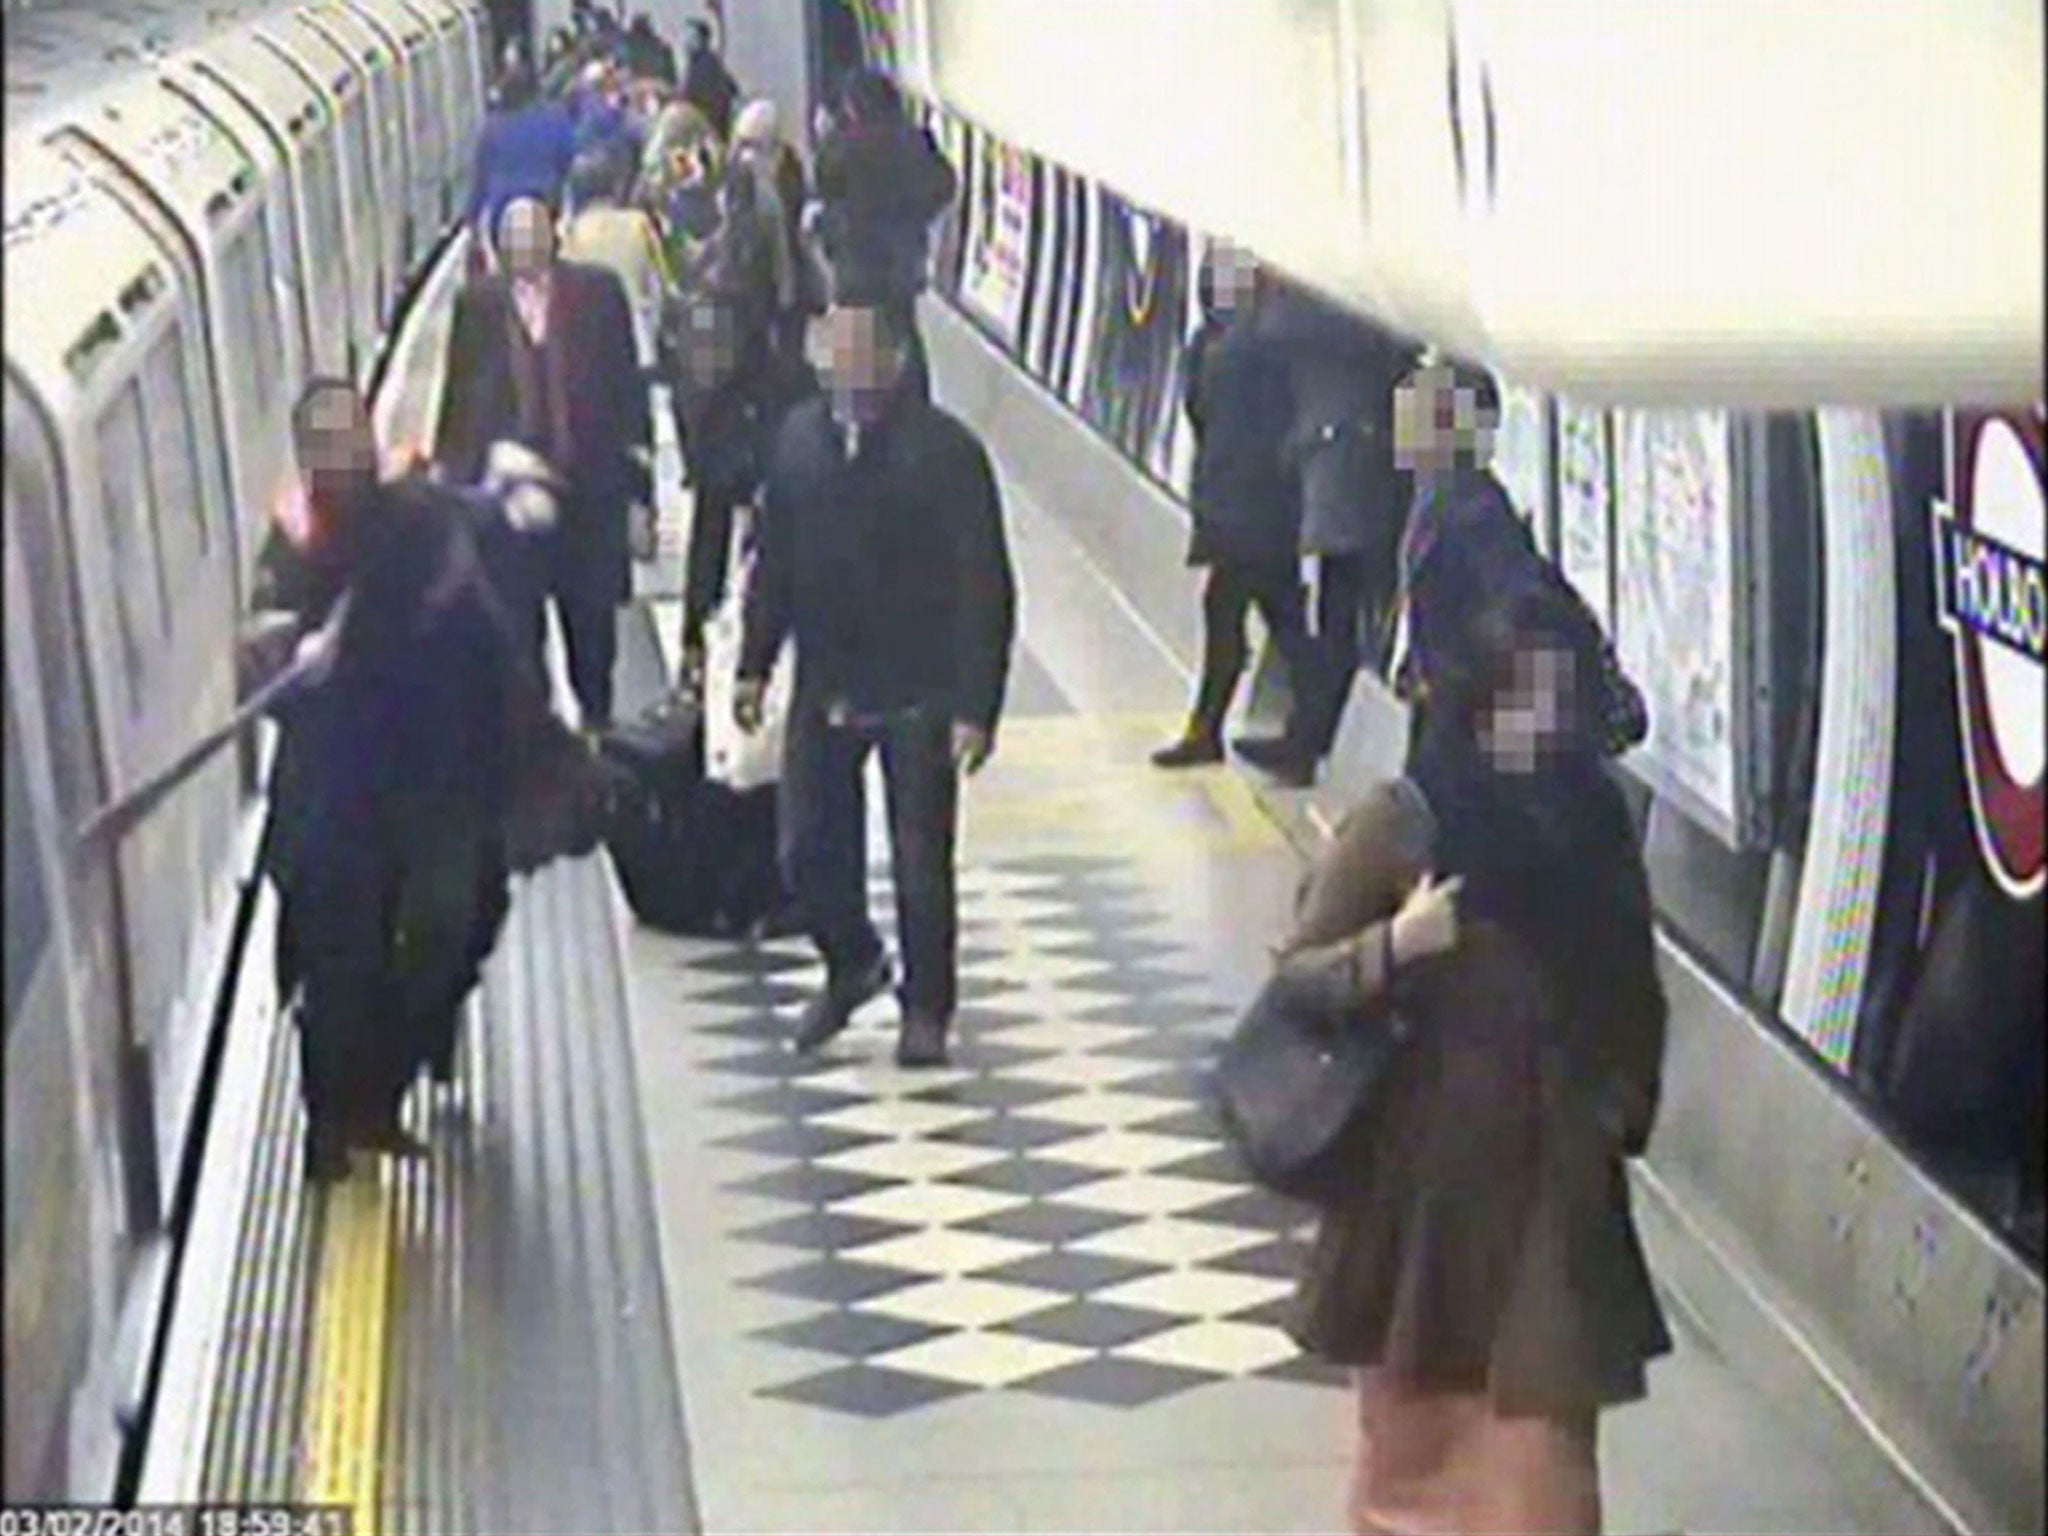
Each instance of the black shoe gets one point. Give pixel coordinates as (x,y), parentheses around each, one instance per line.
(1279,759)
(923,1040)
(1196,749)
(833,1009)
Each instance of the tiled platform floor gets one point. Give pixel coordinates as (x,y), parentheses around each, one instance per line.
(1033,1292)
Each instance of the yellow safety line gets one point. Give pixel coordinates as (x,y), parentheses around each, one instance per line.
(351,1316)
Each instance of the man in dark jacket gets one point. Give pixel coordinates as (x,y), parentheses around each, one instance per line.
(392,788)
(1239,404)
(880,183)
(883,556)
(647,55)
(1353,501)
(707,84)
(544,355)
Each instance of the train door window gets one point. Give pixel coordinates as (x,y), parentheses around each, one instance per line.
(173,448)
(129,515)
(323,237)
(28,893)
(252,318)
(35,525)
(425,85)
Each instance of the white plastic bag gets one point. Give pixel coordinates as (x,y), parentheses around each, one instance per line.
(732,757)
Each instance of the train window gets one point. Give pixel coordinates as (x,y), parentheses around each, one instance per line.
(34,523)
(323,227)
(174,450)
(252,322)
(28,894)
(128,511)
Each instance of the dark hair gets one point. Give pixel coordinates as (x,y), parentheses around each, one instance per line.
(869,96)
(1530,617)
(317,388)
(596,175)
(700,32)
(517,86)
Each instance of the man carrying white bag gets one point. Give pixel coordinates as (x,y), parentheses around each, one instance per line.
(743,769)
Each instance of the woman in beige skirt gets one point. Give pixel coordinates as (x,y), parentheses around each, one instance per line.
(1483,1272)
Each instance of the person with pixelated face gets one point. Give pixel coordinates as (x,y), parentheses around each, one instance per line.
(1353,497)
(1485,1278)
(1244,515)
(1464,545)
(392,779)
(543,354)
(883,556)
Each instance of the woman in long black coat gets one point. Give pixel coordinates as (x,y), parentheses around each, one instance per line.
(1484,1274)
(1244,505)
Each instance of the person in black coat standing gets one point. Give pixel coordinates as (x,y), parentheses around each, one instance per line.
(707,84)
(1353,503)
(1239,401)
(883,554)
(391,789)
(544,355)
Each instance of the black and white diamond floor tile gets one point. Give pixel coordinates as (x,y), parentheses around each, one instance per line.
(1054,1214)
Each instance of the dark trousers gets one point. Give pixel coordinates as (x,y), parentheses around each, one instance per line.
(1339,643)
(583,581)
(1233,589)
(823,810)
(391,933)
(708,558)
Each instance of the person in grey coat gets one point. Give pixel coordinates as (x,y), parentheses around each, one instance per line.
(1344,370)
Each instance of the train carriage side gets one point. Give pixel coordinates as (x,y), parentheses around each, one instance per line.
(412,44)
(389,122)
(174,162)
(115,485)
(301,120)
(325,65)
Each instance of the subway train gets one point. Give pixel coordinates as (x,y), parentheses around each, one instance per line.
(205,204)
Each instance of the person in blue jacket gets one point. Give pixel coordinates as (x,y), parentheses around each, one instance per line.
(526,150)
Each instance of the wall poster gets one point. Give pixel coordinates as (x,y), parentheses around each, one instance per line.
(1140,298)
(1522,458)
(999,240)
(1678,625)
(1043,305)
(1585,506)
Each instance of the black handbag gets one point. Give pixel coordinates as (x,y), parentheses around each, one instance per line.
(1297,1090)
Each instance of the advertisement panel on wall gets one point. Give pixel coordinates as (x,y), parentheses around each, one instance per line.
(1140,296)
(997,260)
(1585,506)
(1678,625)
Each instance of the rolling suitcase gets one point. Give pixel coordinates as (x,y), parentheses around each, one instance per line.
(662,837)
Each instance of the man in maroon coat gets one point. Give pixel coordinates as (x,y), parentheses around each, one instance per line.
(543,354)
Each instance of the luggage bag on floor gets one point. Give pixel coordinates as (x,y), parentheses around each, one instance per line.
(658,827)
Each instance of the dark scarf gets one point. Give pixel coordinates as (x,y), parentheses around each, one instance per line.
(1548,856)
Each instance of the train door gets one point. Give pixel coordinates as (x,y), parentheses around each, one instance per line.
(198,190)
(121,343)
(338,150)
(384,85)
(459,107)
(277,209)
(299,123)
(411,41)
(70,1227)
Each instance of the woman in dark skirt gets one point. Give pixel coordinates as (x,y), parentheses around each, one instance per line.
(1484,1273)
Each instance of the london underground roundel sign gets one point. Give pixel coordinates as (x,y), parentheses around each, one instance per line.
(1990,536)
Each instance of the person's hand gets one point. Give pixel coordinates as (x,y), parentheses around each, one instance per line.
(641,536)
(971,747)
(266,642)
(749,703)
(1427,923)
